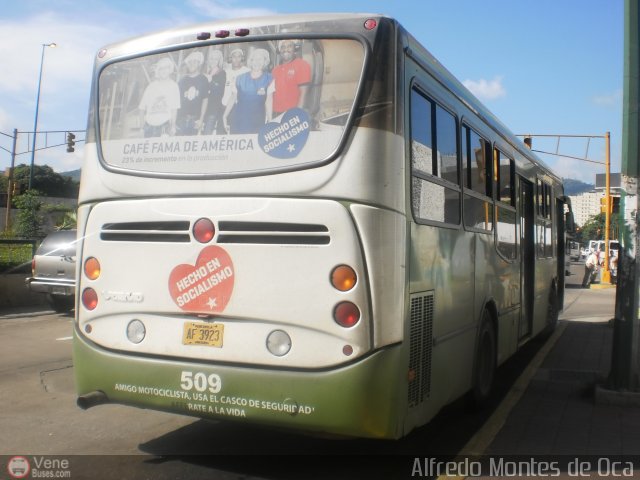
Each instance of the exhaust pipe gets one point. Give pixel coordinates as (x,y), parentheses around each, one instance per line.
(92,399)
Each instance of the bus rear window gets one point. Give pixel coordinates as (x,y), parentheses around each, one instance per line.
(232,109)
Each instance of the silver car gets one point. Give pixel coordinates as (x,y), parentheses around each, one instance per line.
(54,270)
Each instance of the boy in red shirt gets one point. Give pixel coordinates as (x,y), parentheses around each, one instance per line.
(290,80)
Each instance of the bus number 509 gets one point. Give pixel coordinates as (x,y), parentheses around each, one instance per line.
(200,381)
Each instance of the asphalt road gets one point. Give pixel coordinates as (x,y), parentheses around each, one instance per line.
(39,416)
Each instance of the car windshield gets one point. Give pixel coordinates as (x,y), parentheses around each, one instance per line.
(59,243)
(237,108)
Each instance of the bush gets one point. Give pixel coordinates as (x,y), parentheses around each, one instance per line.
(29,218)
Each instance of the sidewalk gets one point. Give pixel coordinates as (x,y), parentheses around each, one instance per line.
(557,413)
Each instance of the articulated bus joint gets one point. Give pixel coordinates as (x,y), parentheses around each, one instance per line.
(92,399)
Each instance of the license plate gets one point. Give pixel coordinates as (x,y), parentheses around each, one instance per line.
(208,334)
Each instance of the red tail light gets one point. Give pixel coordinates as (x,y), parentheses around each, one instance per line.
(203,230)
(346,314)
(89,298)
(33,267)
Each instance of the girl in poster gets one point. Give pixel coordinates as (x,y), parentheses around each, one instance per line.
(250,105)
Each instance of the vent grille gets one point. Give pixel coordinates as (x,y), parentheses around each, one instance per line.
(273,233)
(257,233)
(172,232)
(421,345)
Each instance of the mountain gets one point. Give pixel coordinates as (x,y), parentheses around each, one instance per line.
(576,187)
(73,174)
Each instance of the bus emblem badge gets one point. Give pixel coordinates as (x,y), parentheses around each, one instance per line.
(287,138)
(206,286)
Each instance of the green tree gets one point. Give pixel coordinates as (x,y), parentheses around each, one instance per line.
(68,222)
(29,218)
(45,180)
(594,229)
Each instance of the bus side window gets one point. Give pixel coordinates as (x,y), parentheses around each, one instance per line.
(505,205)
(544,237)
(476,168)
(435,189)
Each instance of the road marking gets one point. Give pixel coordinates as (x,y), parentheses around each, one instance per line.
(64,338)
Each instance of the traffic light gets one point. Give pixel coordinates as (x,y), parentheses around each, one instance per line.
(615,205)
(71,142)
(606,205)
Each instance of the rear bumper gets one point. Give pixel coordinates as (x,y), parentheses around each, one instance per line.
(360,399)
(52,287)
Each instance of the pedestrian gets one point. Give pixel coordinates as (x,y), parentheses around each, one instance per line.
(613,267)
(590,268)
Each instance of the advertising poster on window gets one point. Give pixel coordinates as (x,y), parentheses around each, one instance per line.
(229,109)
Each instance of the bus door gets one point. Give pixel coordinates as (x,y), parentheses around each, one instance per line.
(527,255)
(563,253)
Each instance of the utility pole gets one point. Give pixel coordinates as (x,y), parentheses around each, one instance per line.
(606,274)
(625,360)
(7,224)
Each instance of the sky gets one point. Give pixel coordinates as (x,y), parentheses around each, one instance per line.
(543,67)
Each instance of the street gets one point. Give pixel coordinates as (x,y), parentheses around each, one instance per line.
(40,417)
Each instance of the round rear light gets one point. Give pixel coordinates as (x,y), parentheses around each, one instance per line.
(136,331)
(343,278)
(89,298)
(278,343)
(203,230)
(370,24)
(346,314)
(92,268)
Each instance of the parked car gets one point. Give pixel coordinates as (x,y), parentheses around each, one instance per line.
(54,270)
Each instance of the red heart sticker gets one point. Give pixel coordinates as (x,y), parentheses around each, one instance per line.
(206,286)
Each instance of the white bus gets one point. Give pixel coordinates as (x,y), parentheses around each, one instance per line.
(348,244)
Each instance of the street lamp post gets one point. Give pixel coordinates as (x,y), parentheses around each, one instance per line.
(35,122)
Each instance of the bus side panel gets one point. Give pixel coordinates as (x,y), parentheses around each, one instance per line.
(384,236)
(546,271)
(442,266)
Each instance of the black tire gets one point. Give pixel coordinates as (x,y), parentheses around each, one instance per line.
(61,304)
(552,313)
(485,365)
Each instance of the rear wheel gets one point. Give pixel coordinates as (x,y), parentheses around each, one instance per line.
(552,312)
(485,362)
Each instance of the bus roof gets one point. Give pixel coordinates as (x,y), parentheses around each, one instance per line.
(280,21)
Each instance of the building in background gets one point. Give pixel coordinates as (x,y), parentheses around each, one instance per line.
(587,204)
